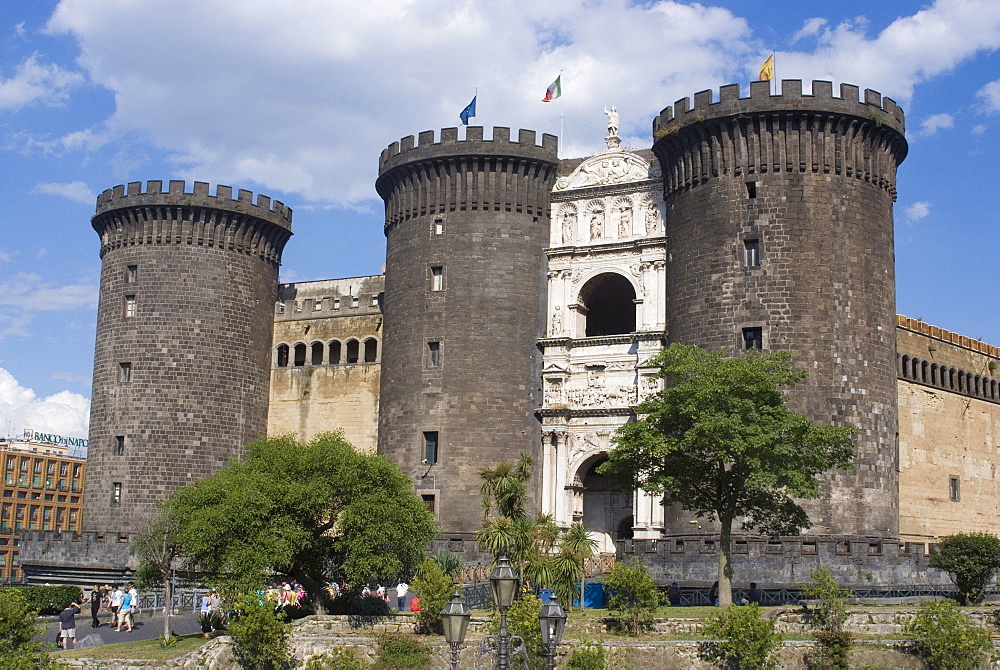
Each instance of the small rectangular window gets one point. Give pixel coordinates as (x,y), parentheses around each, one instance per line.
(280,308)
(433,354)
(355,301)
(752,253)
(437,278)
(753,338)
(954,488)
(125,372)
(131,273)
(119,445)
(336,303)
(116,493)
(430,502)
(438,226)
(430,447)
(317,304)
(130,306)
(751,189)
(375,300)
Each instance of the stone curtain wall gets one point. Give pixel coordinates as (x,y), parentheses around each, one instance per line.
(197,338)
(479,210)
(949,423)
(811,178)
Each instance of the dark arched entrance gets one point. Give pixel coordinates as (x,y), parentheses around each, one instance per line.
(610,303)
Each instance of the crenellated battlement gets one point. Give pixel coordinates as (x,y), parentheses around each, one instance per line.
(883,111)
(264,208)
(501,144)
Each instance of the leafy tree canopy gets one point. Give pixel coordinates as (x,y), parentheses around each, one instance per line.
(972,559)
(720,441)
(310,511)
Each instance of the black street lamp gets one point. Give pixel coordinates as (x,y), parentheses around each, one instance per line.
(552,619)
(455,617)
(504,582)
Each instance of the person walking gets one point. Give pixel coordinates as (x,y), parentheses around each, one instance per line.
(125,613)
(401,589)
(67,625)
(96,596)
(116,603)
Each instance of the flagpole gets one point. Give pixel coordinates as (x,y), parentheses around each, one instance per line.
(562,118)
(774,74)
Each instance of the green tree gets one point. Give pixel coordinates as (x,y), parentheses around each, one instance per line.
(947,639)
(720,441)
(435,589)
(745,639)
(157,551)
(260,635)
(972,559)
(829,617)
(20,648)
(308,510)
(632,594)
(522,620)
(569,565)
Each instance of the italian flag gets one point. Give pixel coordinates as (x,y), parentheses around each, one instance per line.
(553,91)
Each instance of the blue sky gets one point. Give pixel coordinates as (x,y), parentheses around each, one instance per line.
(295,101)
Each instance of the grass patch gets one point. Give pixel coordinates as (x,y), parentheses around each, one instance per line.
(143,650)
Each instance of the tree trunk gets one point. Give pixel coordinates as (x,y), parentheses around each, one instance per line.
(725,562)
(312,587)
(583,587)
(168,604)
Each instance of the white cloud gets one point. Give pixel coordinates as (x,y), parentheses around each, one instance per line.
(917,211)
(936,122)
(809,28)
(979,129)
(64,413)
(912,49)
(303,96)
(989,96)
(76,191)
(35,82)
(24,294)
(4,256)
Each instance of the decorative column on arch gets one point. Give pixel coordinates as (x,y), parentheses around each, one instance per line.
(647,515)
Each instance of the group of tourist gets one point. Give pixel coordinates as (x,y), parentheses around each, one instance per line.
(122,603)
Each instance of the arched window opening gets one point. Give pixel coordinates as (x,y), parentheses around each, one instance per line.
(625,531)
(335,353)
(282,356)
(906,367)
(317,353)
(300,355)
(923,371)
(610,303)
(935,380)
(352,351)
(916,367)
(371,350)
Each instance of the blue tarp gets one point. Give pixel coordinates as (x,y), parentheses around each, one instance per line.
(593,596)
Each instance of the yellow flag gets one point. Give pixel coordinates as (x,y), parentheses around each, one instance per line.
(767,69)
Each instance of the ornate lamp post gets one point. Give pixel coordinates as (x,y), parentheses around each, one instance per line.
(455,617)
(504,582)
(552,619)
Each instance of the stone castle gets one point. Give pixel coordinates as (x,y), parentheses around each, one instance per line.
(520,301)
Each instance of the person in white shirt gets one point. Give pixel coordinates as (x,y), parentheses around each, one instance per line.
(116,602)
(401,589)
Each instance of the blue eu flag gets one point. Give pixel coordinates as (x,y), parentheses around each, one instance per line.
(468,111)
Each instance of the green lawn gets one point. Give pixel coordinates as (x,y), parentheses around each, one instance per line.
(146,650)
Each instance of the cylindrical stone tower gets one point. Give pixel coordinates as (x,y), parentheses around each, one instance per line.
(466,224)
(184,326)
(780,235)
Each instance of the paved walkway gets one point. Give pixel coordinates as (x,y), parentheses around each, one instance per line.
(148,626)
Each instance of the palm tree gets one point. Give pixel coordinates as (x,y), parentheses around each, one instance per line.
(504,488)
(576,546)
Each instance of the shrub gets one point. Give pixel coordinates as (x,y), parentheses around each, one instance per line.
(50,599)
(522,620)
(747,641)
(402,651)
(947,639)
(260,636)
(20,647)
(335,659)
(587,656)
(632,595)
(829,618)
(972,559)
(434,587)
